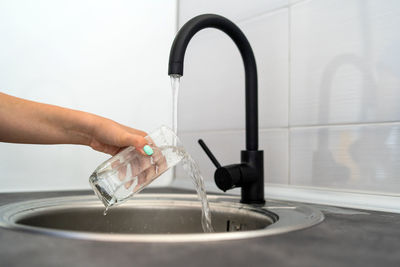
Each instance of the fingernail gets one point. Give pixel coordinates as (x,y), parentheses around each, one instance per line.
(148,150)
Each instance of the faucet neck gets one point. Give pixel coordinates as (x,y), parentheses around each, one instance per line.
(177,55)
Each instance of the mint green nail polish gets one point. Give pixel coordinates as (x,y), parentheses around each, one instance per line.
(148,150)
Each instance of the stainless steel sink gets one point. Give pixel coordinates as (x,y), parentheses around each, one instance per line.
(155,218)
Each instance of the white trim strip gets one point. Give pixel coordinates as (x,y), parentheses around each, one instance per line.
(324,196)
(365,201)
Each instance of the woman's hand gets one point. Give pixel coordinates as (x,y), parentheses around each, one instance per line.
(110,137)
(24,121)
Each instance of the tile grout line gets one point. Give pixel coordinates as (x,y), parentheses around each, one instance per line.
(334,125)
(220,131)
(268,12)
(259,15)
(289,172)
(177,15)
(177,4)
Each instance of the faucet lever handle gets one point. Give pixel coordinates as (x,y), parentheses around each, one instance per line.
(209,153)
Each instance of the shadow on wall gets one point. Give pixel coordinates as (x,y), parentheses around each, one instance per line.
(370,154)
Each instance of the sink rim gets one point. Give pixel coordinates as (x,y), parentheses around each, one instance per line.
(289,217)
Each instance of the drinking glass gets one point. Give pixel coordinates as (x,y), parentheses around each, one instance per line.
(128,172)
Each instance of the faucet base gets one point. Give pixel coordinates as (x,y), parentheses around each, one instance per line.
(253,187)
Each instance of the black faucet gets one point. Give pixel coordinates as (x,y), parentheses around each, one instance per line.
(249,175)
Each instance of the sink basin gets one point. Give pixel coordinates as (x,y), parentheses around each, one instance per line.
(155,218)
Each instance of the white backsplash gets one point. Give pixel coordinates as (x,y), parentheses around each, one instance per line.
(345,64)
(329,96)
(105,57)
(348,157)
(235,10)
(212,87)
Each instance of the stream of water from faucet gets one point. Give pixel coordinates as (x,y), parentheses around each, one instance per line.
(193,170)
(175,80)
(189,165)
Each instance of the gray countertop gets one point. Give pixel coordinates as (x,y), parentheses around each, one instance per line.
(345,238)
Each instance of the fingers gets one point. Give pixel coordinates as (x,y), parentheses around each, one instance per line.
(144,165)
(136,168)
(138,171)
(141,182)
(153,167)
(133,131)
(105,148)
(135,140)
(122,173)
(159,161)
(109,136)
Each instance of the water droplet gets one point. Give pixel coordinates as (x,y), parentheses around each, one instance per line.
(105,211)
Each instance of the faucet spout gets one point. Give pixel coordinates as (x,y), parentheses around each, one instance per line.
(251,169)
(177,54)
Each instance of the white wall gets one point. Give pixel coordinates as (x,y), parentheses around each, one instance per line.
(104,57)
(329,96)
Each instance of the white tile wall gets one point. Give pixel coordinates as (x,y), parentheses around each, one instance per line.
(212,88)
(329,75)
(234,10)
(56,167)
(345,64)
(108,58)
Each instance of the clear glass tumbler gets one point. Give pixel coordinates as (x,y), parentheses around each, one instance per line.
(129,171)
